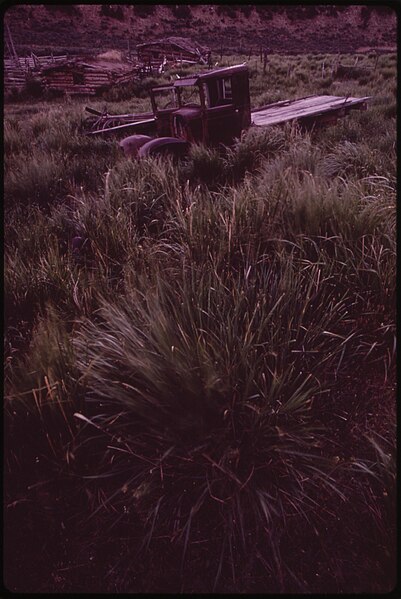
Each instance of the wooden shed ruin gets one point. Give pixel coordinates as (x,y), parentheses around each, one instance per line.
(174,49)
(77,77)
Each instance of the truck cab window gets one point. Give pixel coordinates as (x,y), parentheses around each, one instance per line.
(218,92)
(226,89)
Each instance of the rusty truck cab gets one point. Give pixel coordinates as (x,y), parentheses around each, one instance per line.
(212,107)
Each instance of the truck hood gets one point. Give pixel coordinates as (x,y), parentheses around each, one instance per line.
(188,113)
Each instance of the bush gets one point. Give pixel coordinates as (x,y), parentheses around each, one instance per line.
(182,11)
(34,88)
(302,12)
(68,9)
(225,10)
(144,10)
(112,11)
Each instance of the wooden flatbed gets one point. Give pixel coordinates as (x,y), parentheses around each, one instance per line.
(308,108)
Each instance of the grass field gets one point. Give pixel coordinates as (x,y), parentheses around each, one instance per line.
(204,399)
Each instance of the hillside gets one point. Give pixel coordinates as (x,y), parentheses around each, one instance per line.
(287,29)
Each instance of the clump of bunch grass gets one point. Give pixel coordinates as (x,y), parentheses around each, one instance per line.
(254,145)
(351,158)
(205,165)
(214,378)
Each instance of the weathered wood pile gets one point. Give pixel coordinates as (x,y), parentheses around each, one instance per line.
(174,49)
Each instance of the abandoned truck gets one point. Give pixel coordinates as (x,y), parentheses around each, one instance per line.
(213,108)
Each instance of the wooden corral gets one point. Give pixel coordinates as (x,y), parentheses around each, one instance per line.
(174,49)
(14,77)
(19,70)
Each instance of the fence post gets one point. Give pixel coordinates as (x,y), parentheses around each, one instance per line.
(264,60)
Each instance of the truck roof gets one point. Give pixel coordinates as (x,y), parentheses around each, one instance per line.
(222,72)
(194,79)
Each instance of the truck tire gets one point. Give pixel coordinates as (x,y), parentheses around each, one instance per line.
(132,144)
(164,146)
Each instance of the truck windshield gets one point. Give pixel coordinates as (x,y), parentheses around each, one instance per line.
(190,95)
(165,98)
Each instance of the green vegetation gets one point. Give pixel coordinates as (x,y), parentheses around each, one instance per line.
(202,398)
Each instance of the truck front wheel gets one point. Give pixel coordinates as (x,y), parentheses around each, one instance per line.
(164,146)
(132,144)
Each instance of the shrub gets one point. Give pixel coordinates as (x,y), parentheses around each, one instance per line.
(302,12)
(181,11)
(34,88)
(69,9)
(325,82)
(112,11)
(144,10)
(227,11)
(246,9)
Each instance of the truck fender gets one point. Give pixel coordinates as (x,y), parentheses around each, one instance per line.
(172,146)
(131,145)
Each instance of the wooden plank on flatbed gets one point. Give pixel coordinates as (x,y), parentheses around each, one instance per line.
(311,106)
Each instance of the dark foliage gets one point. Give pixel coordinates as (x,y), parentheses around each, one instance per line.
(112,11)
(144,10)
(226,10)
(68,9)
(294,13)
(181,11)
